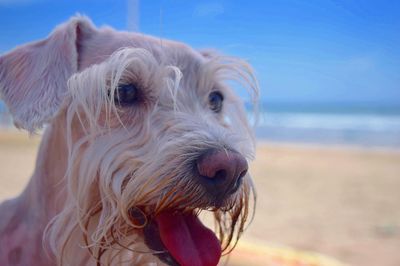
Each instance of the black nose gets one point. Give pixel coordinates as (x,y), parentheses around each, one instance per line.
(221,171)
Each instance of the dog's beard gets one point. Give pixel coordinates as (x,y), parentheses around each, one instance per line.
(112,209)
(109,241)
(176,229)
(173,231)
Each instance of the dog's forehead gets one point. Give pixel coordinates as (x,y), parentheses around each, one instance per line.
(99,46)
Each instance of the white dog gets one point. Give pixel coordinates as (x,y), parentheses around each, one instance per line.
(141,135)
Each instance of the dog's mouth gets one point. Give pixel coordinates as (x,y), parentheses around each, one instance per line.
(182,239)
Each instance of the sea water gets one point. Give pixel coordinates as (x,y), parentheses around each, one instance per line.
(351,124)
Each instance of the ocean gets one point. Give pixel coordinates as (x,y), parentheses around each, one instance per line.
(374,126)
(331,124)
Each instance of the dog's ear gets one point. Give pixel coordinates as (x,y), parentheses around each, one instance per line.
(33,77)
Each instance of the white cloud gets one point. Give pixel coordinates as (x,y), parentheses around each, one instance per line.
(210,9)
(359,64)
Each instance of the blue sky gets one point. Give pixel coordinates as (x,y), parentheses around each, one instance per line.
(325,51)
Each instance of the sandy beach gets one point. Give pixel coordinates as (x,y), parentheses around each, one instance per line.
(342,202)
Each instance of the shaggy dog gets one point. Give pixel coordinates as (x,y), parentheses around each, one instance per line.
(141,135)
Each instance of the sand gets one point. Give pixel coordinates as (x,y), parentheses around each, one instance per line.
(339,201)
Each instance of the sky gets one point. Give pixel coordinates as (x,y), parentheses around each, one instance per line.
(314,51)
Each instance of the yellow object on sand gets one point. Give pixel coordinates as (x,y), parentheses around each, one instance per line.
(261,254)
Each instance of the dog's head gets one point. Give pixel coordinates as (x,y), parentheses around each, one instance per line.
(155,135)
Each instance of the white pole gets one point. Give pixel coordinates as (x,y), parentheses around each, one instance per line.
(132,15)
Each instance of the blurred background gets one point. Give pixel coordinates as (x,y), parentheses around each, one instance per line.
(328,160)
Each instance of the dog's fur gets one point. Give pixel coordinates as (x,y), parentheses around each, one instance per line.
(99,162)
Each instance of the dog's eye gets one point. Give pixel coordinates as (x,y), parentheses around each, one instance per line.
(126,94)
(215,100)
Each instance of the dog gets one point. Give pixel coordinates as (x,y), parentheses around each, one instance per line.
(141,135)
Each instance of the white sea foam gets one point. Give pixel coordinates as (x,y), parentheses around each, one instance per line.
(361,129)
(368,122)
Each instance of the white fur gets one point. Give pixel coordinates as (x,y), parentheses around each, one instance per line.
(117,158)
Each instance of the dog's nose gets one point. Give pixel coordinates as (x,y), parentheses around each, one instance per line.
(221,171)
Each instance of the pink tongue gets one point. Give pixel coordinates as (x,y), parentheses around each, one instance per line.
(188,240)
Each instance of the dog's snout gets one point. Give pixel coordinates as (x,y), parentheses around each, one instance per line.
(221,171)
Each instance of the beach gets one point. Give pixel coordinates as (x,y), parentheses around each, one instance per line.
(336,200)
(339,201)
